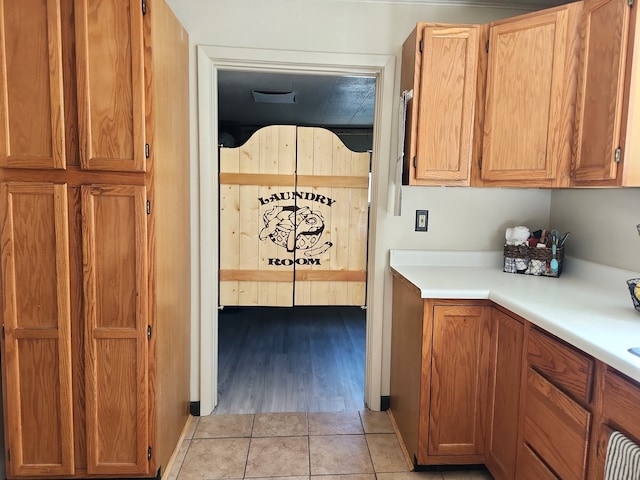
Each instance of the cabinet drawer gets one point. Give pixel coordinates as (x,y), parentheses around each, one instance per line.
(555,427)
(530,467)
(566,367)
(620,406)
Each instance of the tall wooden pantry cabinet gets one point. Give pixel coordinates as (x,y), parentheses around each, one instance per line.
(94,232)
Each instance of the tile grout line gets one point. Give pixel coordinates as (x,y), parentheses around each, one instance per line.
(246,460)
(308,441)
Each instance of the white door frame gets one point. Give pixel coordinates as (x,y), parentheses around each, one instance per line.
(210,59)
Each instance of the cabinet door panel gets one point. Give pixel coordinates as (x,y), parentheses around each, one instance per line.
(31,104)
(447,99)
(620,407)
(116,345)
(504,394)
(605,29)
(110,68)
(36,315)
(459,378)
(526,98)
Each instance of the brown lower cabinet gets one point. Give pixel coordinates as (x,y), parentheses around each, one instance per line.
(472,383)
(458,375)
(618,401)
(530,467)
(440,373)
(504,393)
(554,427)
(556,399)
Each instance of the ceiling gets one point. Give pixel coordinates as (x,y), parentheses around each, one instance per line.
(319,100)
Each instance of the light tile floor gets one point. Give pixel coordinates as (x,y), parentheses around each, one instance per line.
(298,446)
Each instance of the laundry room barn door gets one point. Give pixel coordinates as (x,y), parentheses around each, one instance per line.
(293,220)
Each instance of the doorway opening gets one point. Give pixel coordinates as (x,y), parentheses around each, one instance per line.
(299,250)
(210,61)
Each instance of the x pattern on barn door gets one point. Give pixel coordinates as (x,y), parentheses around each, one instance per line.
(293,220)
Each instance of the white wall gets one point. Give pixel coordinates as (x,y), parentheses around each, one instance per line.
(466,218)
(460,218)
(602,223)
(317,25)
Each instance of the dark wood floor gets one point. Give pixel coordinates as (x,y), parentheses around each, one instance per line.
(298,359)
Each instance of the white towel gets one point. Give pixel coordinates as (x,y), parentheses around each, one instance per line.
(623,458)
(516,235)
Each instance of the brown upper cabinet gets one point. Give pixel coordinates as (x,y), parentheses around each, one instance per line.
(110,67)
(50,82)
(604,108)
(546,100)
(530,91)
(31,88)
(441,67)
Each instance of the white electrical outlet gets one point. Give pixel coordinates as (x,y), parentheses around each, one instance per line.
(422,220)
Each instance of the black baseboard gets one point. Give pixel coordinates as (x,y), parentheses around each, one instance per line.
(194,408)
(385,400)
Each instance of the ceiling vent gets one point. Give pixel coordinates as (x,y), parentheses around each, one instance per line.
(273,97)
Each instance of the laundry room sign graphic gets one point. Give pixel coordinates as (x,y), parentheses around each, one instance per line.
(295,228)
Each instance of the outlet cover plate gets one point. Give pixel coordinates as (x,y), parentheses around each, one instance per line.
(422,220)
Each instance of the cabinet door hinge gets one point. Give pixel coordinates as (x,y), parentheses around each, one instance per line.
(421,46)
(149,453)
(148,332)
(144,7)
(148,207)
(631,2)
(486,46)
(618,155)
(147,150)
(480,163)
(3,331)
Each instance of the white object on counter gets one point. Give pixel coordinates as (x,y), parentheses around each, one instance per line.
(517,235)
(588,307)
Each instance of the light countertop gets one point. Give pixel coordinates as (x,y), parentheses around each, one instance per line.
(588,306)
